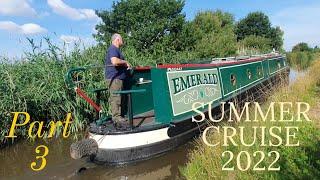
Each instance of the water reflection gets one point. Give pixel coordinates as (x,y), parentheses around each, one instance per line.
(294,74)
(15,164)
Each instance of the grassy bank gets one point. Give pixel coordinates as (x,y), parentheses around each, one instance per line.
(302,162)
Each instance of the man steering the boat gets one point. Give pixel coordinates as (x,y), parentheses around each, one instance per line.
(115,73)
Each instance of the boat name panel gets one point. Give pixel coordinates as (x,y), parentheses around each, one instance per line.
(189,86)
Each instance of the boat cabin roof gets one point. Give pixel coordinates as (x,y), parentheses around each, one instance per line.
(214,63)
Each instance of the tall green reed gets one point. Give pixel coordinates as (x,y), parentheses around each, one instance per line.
(36,85)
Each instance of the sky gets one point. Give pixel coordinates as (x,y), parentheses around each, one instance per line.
(73,20)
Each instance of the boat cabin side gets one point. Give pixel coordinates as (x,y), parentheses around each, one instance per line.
(171,91)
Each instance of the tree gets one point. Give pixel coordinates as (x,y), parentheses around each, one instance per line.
(186,39)
(212,21)
(276,37)
(219,44)
(301,47)
(145,25)
(214,31)
(258,24)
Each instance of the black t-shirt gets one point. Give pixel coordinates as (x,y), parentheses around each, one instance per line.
(114,72)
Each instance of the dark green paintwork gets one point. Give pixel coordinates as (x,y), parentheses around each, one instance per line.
(242,78)
(162,103)
(275,65)
(142,102)
(157,95)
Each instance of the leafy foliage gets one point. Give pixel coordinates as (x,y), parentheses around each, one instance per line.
(302,55)
(157,32)
(301,59)
(276,36)
(258,24)
(144,24)
(256,42)
(212,21)
(214,28)
(301,47)
(222,44)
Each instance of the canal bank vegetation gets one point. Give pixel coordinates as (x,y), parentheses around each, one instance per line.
(35,84)
(296,162)
(302,56)
(154,32)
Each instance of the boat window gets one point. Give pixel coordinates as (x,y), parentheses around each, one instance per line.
(233,79)
(249,73)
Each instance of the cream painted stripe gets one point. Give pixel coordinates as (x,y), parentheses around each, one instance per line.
(130,140)
(278,70)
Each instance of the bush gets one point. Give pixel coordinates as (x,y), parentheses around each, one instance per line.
(300,59)
(256,43)
(220,44)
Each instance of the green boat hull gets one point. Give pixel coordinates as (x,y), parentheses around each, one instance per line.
(163,100)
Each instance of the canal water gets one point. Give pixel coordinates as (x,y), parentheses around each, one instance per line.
(15,164)
(15,161)
(294,74)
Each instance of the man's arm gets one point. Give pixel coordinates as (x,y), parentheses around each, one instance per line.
(119,62)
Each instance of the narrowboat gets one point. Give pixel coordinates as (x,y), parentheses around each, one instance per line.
(159,104)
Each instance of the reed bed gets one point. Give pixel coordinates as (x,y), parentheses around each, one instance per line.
(36,85)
